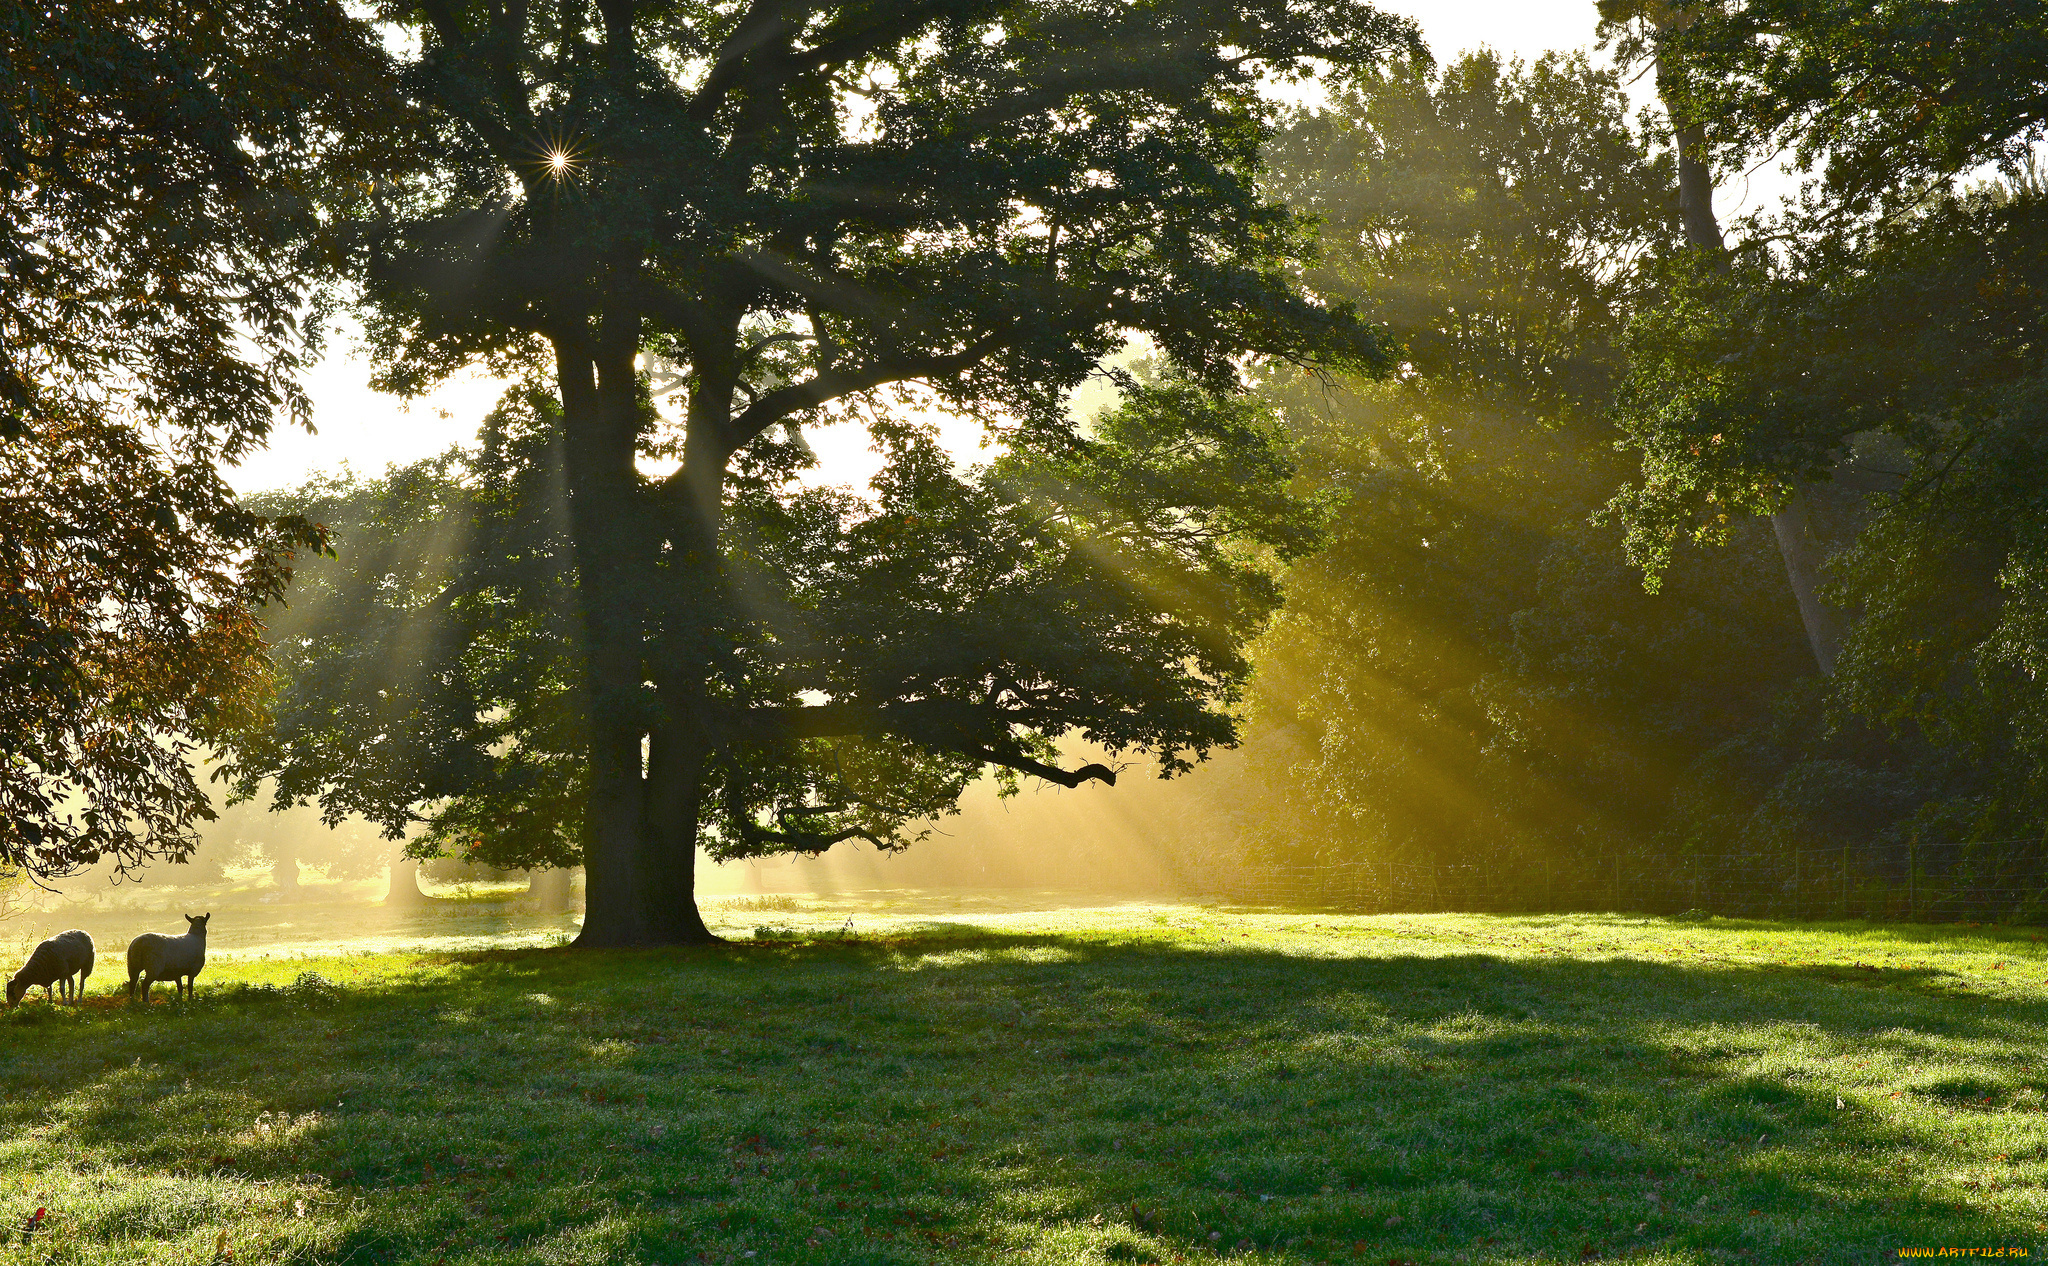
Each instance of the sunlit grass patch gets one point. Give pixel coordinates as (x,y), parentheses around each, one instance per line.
(1138,1085)
(774,901)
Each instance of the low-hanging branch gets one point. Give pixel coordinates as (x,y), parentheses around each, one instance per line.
(946,724)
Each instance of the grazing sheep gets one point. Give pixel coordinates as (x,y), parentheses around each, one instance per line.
(55,962)
(174,958)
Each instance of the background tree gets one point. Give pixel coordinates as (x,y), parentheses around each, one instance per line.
(1883,103)
(808,207)
(246,833)
(1495,217)
(158,241)
(1469,670)
(1876,344)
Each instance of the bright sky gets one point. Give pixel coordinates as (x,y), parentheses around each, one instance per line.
(368,431)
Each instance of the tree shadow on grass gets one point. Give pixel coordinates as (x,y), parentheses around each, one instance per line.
(981,1096)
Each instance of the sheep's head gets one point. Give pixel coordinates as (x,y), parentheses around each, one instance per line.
(15,989)
(196,923)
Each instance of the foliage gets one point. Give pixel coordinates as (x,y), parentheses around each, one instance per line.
(985,1094)
(1914,391)
(250,833)
(1494,216)
(1886,101)
(1875,346)
(1469,670)
(158,243)
(431,659)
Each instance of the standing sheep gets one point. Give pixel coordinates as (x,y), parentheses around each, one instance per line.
(152,957)
(55,962)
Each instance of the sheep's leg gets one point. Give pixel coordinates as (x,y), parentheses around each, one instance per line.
(83,973)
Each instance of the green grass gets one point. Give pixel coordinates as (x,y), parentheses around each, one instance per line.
(1122,1086)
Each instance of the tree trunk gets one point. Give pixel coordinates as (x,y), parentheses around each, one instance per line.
(1794,529)
(1695,179)
(668,857)
(639,855)
(405,887)
(679,749)
(613,913)
(284,872)
(548,889)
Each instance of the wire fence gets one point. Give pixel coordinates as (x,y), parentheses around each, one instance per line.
(1987,881)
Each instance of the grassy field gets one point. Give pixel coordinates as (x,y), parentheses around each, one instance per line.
(1132,1085)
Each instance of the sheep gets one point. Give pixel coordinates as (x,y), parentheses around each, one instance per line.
(55,962)
(174,958)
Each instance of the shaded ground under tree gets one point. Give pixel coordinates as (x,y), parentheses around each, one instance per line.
(1137,1087)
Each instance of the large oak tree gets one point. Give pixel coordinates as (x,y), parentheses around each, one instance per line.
(805,208)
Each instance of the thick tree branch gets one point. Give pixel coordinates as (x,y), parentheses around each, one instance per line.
(832,384)
(499,128)
(706,325)
(799,841)
(758,59)
(766,23)
(938,723)
(619,44)
(1052,773)
(836,48)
